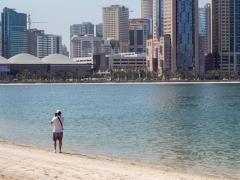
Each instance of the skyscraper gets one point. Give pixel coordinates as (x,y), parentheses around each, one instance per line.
(85,28)
(147,9)
(205,34)
(32,40)
(99,30)
(75,29)
(14,33)
(205,27)
(157,18)
(180,21)
(226,34)
(115,25)
(48,44)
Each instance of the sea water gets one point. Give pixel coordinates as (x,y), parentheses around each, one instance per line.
(189,127)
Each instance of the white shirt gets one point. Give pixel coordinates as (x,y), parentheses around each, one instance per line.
(57,127)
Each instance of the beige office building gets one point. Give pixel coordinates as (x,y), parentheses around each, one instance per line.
(152,54)
(164,55)
(147,9)
(116,26)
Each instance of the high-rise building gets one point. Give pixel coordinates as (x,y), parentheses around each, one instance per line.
(226,34)
(85,46)
(157,18)
(115,25)
(147,9)
(152,54)
(65,51)
(99,30)
(86,28)
(32,40)
(205,26)
(75,29)
(138,35)
(48,44)
(164,55)
(180,21)
(14,33)
(205,34)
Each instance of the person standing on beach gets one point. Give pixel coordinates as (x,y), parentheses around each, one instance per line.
(57,123)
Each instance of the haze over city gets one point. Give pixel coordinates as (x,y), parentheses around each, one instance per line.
(60,14)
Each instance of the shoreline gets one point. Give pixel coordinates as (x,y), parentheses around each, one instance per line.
(123,83)
(20,161)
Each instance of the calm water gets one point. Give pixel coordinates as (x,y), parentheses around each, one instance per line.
(193,128)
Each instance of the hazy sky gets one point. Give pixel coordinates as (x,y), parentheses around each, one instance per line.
(61,13)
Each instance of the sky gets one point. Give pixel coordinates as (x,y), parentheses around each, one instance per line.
(60,14)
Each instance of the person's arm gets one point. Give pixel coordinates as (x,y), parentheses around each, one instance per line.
(51,121)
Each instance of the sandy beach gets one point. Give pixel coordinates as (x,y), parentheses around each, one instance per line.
(25,162)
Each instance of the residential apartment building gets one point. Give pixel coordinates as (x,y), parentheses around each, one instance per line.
(48,44)
(33,41)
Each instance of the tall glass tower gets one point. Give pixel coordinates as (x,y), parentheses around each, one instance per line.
(180,21)
(14,33)
(226,34)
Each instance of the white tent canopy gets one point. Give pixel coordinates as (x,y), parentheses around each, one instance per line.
(25,59)
(57,59)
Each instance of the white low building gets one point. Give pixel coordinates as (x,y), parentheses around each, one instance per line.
(127,61)
(52,63)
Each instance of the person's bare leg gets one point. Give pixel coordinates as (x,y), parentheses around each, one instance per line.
(60,146)
(55,146)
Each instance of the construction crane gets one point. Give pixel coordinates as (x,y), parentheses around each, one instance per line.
(30,22)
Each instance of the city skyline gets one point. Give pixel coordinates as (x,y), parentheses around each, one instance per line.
(69,13)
